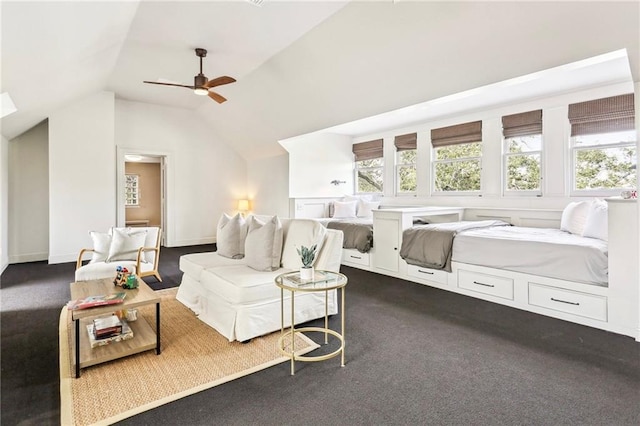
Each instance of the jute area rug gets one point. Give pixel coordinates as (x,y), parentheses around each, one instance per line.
(194,358)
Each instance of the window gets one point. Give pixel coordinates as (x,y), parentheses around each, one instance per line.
(603,145)
(457,158)
(406,155)
(522,152)
(369,167)
(132,197)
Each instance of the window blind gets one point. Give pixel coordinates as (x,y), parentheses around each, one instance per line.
(458,134)
(606,115)
(406,142)
(522,124)
(368,150)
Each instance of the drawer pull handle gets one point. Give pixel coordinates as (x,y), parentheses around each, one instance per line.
(486,285)
(425,272)
(355,257)
(564,301)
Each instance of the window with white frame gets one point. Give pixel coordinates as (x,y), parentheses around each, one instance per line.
(406,163)
(131,187)
(603,145)
(522,152)
(369,166)
(457,158)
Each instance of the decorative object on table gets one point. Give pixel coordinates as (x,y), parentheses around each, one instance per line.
(125,279)
(132,314)
(93,301)
(307,256)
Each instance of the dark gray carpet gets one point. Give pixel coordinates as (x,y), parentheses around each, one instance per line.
(415,355)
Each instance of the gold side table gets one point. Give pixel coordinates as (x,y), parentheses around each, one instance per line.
(323,281)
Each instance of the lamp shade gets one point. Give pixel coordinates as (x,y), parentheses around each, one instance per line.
(243,205)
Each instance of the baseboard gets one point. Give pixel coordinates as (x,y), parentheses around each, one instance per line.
(29,257)
(194,242)
(63,258)
(3,266)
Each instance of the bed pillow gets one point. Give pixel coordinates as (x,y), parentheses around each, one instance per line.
(301,232)
(101,245)
(597,224)
(365,208)
(125,244)
(574,217)
(230,236)
(344,209)
(263,245)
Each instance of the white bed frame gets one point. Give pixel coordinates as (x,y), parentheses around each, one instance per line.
(614,308)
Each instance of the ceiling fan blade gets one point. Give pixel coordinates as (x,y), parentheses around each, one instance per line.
(169,84)
(219,81)
(219,99)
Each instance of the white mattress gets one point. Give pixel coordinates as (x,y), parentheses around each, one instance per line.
(364,220)
(537,251)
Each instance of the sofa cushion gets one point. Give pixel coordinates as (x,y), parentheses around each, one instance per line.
(125,244)
(96,271)
(301,232)
(193,264)
(263,245)
(242,285)
(101,245)
(230,236)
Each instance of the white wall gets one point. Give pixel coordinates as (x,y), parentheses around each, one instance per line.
(29,195)
(268,185)
(82,178)
(317,159)
(205,176)
(4,203)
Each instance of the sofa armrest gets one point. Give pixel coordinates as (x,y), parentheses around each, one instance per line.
(82,252)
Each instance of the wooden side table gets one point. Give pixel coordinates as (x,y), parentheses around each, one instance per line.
(323,281)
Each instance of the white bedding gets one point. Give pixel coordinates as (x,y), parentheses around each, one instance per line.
(537,251)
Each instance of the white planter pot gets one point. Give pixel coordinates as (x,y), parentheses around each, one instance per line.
(306,273)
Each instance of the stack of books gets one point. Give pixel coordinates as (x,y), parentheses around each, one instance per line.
(106,330)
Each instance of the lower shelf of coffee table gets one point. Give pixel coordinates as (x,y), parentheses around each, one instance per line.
(144,339)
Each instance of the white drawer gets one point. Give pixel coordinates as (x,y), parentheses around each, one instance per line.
(487,284)
(354,256)
(435,275)
(569,301)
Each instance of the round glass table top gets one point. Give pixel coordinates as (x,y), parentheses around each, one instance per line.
(322,280)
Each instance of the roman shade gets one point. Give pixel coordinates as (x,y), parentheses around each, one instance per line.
(458,134)
(522,124)
(614,114)
(406,142)
(368,150)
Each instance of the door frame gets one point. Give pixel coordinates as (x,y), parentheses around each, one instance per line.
(166,188)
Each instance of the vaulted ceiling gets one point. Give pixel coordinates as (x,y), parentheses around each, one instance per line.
(300,66)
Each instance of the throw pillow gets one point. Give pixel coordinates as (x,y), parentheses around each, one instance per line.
(263,245)
(301,232)
(365,208)
(344,209)
(230,236)
(101,244)
(597,224)
(125,244)
(574,217)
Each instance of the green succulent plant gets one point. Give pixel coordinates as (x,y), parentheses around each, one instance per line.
(307,255)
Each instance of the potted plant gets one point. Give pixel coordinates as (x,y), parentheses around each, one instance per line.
(307,256)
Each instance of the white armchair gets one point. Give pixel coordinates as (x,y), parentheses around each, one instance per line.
(137,249)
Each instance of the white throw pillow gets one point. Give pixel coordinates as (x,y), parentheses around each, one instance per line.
(597,225)
(574,217)
(301,232)
(344,209)
(263,245)
(101,245)
(365,208)
(125,244)
(230,236)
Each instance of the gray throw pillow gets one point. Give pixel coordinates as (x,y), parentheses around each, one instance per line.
(263,245)
(230,235)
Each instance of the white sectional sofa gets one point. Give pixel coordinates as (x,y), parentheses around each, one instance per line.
(242,303)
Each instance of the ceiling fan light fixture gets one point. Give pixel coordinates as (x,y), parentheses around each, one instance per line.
(200,91)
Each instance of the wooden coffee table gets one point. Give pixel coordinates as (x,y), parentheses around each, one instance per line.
(144,338)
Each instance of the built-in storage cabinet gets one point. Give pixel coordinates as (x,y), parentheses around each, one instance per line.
(386,232)
(486,284)
(353,257)
(572,302)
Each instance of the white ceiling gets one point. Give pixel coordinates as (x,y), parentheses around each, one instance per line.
(303,66)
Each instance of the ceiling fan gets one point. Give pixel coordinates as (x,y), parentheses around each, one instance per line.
(201,84)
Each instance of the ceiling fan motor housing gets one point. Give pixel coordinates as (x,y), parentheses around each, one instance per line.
(199,80)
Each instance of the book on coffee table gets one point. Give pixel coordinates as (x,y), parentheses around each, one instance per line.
(126,334)
(92,301)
